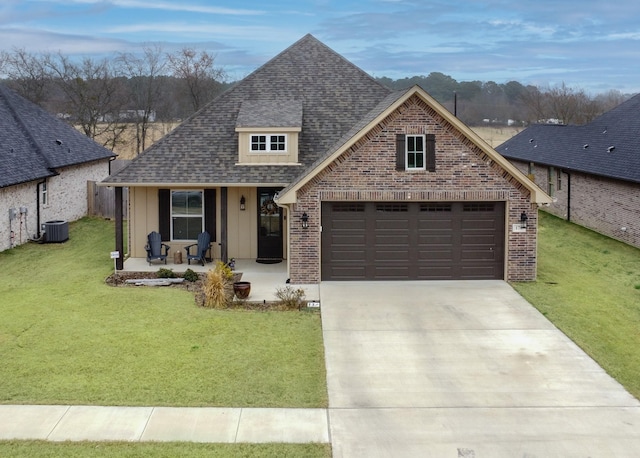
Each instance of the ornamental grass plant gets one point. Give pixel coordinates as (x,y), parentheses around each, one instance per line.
(218,286)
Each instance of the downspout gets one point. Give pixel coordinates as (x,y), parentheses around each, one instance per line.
(38,235)
(568,196)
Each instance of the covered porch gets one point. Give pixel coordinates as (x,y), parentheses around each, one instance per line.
(265,279)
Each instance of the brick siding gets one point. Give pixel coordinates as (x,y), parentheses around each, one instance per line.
(366,172)
(610,207)
(67,195)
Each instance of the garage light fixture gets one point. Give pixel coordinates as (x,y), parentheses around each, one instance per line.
(305,220)
(242,203)
(523,220)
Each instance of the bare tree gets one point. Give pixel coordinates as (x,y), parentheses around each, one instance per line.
(27,74)
(536,102)
(199,73)
(92,95)
(146,89)
(610,99)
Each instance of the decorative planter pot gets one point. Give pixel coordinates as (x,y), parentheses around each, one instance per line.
(242,289)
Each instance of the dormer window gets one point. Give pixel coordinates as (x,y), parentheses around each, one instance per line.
(269,143)
(269,131)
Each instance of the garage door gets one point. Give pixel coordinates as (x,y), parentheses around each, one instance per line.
(412,241)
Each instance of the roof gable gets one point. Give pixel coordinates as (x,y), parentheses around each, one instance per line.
(377,115)
(608,146)
(331,92)
(34,143)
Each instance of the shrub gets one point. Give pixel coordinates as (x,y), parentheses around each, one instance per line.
(218,286)
(166,273)
(289,297)
(190,275)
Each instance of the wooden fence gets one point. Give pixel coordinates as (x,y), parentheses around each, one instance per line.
(101,201)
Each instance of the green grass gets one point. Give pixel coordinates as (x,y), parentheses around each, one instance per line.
(589,287)
(40,449)
(68,338)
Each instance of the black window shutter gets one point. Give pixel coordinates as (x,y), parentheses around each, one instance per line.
(400,152)
(164,214)
(210,212)
(431,152)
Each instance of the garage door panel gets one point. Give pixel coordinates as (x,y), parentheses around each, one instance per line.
(350,256)
(478,255)
(434,255)
(349,240)
(477,273)
(414,240)
(349,273)
(435,239)
(444,272)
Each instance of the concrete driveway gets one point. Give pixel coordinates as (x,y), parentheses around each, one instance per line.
(463,369)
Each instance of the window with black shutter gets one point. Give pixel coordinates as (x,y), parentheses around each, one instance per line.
(183,214)
(416,152)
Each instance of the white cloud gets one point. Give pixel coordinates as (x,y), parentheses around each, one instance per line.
(166,6)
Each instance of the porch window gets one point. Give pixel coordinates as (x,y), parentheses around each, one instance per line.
(269,143)
(187,215)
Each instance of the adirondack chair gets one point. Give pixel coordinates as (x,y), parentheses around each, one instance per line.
(201,248)
(156,250)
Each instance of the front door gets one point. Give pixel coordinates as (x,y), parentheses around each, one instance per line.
(269,227)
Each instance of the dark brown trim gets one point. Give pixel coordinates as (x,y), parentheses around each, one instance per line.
(400,152)
(224,238)
(431,153)
(164,214)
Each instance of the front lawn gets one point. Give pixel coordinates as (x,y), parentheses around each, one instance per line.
(68,338)
(589,287)
(31,449)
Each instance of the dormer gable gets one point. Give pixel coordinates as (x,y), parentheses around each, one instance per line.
(268,132)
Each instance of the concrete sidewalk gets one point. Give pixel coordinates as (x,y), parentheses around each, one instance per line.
(163,424)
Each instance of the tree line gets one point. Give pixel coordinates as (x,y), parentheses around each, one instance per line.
(477,102)
(104,97)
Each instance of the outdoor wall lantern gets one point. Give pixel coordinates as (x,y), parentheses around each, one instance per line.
(523,220)
(242,203)
(305,220)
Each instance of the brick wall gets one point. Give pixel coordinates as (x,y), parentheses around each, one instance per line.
(608,206)
(67,194)
(367,172)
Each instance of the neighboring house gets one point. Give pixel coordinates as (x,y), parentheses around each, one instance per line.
(44,168)
(591,171)
(310,160)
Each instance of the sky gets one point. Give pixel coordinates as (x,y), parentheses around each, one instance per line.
(592,45)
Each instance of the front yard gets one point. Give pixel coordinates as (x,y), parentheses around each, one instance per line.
(68,338)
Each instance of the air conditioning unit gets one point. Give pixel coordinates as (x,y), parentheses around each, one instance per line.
(56,231)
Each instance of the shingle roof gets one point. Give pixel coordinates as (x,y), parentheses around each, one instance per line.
(33,143)
(270,113)
(609,146)
(333,94)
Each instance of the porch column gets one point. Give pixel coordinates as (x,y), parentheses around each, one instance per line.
(119,229)
(224,254)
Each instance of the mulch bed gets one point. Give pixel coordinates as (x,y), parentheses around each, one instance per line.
(119,280)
